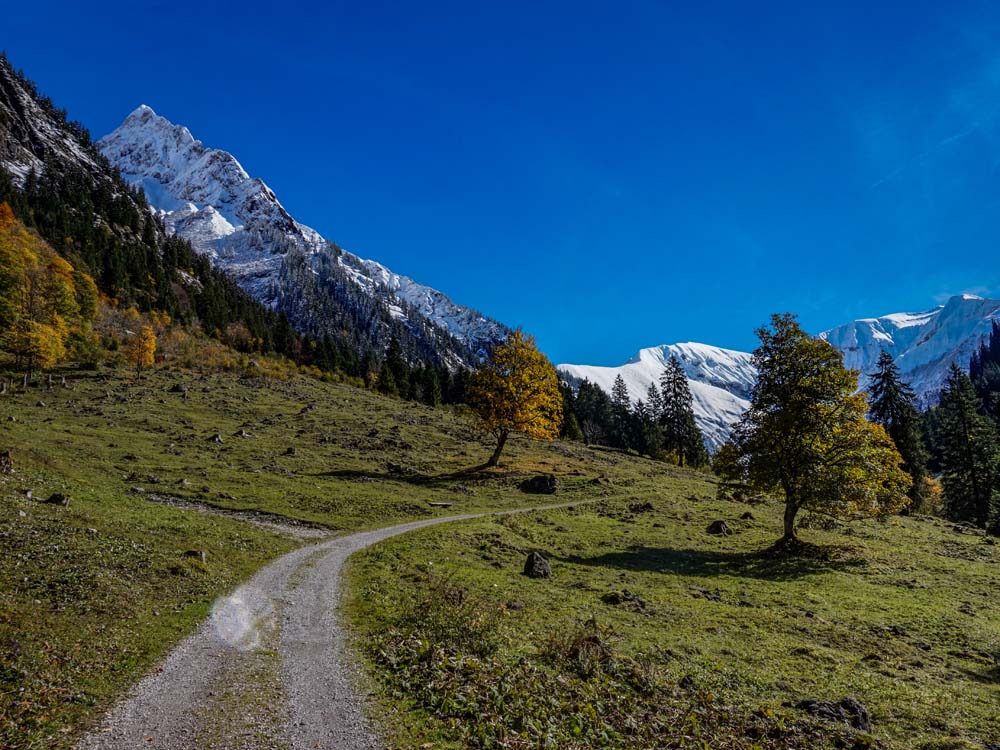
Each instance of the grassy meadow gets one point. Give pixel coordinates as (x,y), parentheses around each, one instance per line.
(92,594)
(653,633)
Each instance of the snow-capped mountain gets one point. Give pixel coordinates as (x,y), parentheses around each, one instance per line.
(924,344)
(205,196)
(720,381)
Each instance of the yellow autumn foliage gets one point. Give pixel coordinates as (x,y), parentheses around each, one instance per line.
(141,347)
(43,299)
(517,390)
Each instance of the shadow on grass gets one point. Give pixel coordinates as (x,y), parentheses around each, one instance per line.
(413,477)
(773,564)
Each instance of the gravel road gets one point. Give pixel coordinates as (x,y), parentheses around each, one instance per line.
(269,669)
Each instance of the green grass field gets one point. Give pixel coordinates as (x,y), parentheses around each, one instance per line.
(697,640)
(92,594)
(648,627)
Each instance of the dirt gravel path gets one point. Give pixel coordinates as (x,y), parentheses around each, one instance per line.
(269,669)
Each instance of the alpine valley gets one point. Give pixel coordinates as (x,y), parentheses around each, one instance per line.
(203,195)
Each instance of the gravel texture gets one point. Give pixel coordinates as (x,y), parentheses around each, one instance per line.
(270,669)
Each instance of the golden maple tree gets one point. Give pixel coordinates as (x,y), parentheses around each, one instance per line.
(517,390)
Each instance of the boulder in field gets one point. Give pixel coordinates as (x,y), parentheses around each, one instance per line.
(543,484)
(536,566)
(719,528)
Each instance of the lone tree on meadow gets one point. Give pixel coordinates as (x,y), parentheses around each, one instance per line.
(141,348)
(517,390)
(805,436)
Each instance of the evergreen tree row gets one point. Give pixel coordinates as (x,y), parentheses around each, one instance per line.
(958,438)
(661,426)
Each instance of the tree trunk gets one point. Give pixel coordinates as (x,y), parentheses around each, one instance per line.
(495,458)
(791,510)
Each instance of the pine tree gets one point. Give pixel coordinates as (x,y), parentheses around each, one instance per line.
(593,407)
(970,454)
(621,414)
(681,435)
(654,400)
(892,404)
(984,371)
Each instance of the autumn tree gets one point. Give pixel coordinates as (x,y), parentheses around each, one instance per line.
(141,348)
(43,299)
(805,436)
(516,390)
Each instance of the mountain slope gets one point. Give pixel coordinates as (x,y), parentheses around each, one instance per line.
(924,344)
(720,381)
(205,196)
(61,186)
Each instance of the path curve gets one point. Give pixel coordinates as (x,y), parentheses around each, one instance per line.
(270,668)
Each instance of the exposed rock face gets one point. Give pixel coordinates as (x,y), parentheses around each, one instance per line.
(205,196)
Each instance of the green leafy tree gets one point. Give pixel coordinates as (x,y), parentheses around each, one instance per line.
(805,436)
(970,454)
(892,404)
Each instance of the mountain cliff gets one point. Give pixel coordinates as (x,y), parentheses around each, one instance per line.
(205,196)
(924,344)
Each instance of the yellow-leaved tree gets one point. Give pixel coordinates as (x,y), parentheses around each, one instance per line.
(517,390)
(43,299)
(141,348)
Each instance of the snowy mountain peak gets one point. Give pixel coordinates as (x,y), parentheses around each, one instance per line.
(924,344)
(720,381)
(205,196)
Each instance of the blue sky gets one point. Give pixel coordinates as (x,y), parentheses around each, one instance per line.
(608,175)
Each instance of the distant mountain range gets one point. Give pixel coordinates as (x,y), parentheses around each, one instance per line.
(924,344)
(205,196)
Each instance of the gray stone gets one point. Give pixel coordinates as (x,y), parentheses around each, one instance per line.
(536,566)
